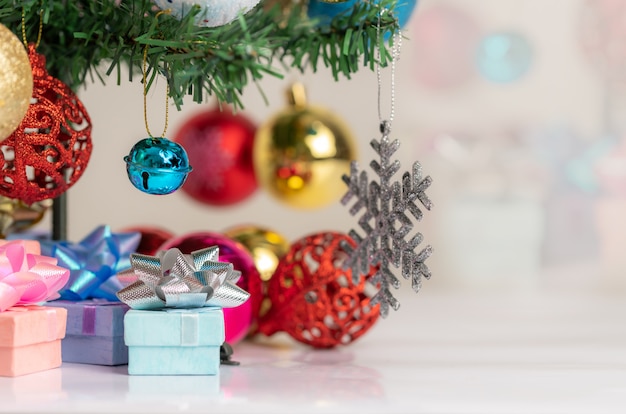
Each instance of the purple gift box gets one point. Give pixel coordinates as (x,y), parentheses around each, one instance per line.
(95,332)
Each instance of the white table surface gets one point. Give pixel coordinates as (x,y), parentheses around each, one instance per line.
(443,352)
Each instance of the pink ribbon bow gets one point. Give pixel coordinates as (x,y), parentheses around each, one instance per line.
(26,277)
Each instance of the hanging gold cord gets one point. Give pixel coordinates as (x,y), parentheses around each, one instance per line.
(24,28)
(145,88)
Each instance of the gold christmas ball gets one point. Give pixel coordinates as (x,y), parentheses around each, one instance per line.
(267,247)
(16,216)
(301,153)
(16,82)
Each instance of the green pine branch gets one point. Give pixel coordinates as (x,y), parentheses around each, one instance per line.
(87,40)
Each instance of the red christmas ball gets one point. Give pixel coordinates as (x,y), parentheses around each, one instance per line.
(316,301)
(50,149)
(152,238)
(219,145)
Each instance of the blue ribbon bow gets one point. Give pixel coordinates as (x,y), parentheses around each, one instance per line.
(93,261)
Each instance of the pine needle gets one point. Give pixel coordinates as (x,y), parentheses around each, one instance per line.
(84,40)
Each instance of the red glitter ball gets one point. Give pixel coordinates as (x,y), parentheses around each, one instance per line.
(314,299)
(219,144)
(50,149)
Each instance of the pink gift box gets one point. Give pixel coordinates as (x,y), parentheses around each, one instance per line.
(30,339)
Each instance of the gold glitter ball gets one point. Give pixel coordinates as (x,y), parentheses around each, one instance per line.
(301,153)
(16,82)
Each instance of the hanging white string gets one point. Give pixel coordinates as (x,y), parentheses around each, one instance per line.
(385,124)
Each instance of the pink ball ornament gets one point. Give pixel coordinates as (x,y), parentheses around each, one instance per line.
(444,40)
(237,320)
(601,32)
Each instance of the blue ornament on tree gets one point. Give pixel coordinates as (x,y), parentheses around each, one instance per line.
(157,166)
(504,57)
(325,11)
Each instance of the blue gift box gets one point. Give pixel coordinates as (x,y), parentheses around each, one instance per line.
(95,332)
(174,341)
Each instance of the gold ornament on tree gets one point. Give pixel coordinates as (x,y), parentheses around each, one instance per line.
(301,153)
(16,82)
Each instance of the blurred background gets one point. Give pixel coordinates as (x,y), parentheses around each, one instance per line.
(514,108)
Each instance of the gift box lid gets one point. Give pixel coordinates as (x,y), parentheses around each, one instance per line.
(174,327)
(97,317)
(29,325)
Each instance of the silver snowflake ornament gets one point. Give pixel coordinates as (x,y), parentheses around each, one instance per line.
(388,211)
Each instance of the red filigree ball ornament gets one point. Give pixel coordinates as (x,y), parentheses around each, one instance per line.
(50,149)
(219,144)
(314,299)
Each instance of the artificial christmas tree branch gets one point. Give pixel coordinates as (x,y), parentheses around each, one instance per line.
(85,40)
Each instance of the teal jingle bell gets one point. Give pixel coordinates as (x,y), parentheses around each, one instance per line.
(157,166)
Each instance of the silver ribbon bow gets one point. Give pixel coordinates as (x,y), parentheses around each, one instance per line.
(175,280)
